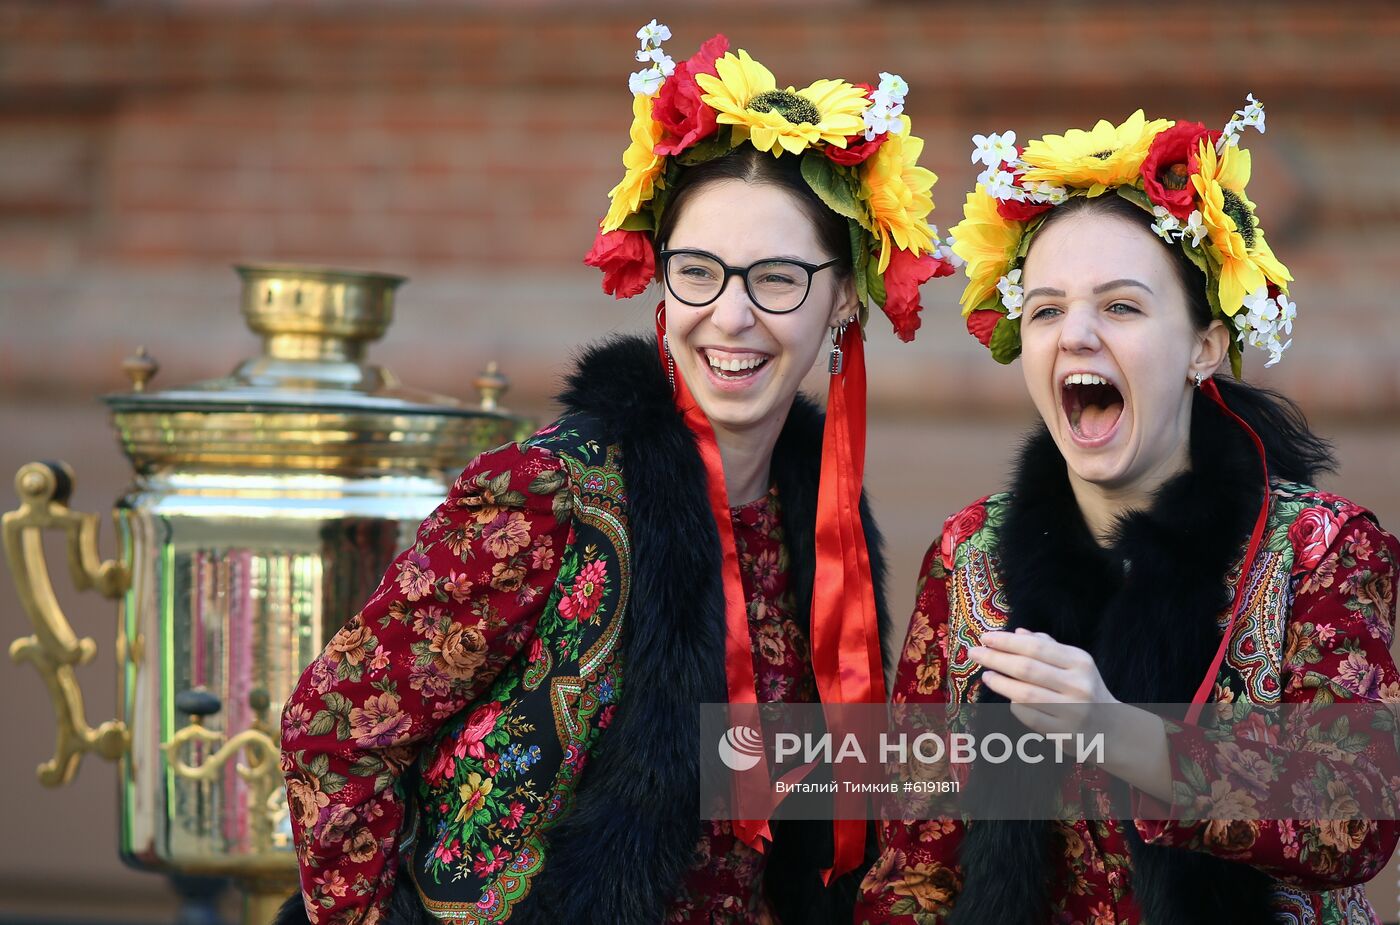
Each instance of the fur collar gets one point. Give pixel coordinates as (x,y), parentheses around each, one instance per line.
(637,805)
(1146,606)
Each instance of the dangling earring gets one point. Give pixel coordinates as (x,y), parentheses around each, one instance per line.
(838,359)
(666,346)
(1199,379)
(670,363)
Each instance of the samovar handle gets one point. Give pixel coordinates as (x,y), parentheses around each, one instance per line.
(44,489)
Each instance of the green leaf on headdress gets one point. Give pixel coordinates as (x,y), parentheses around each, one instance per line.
(1024,246)
(1136,196)
(860,260)
(874,281)
(1196,255)
(644,220)
(832,184)
(717,145)
(1006,341)
(1236,357)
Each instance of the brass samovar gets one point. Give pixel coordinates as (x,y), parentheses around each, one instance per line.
(265,508)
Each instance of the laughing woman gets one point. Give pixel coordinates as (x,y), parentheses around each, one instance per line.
(508,730)
(1123,266)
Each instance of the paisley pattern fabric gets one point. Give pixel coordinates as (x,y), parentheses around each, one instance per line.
(1316,628)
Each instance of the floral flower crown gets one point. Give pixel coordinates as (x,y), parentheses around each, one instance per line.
(1191,179)
(857,154)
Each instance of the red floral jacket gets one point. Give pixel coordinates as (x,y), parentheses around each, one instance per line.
(1326,556)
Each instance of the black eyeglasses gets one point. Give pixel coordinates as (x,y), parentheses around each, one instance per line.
(776,286)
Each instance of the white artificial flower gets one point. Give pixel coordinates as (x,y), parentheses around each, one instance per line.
(1166,225)
(1287,313)
(653,34)
(1012,295)
(1255,301)
(991,150)
(662,60)
(1048,192)
(1230,137)
(945,252)
(1195,228)
(1251,114)
(878,122)
(893,85)
(1001,184)
(646,82)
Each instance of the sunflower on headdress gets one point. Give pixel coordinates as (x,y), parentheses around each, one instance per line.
(1107,155)
(644,166)
(988,243)
(898,192)
(746,96)
(1246,261)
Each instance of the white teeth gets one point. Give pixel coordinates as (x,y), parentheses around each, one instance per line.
(735,366)
(1085,379)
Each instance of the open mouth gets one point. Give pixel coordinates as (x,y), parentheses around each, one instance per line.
(1093,406)
(734,367)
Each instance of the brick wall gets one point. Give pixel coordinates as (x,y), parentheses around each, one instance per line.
(145,147)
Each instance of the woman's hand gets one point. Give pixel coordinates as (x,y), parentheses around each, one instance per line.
(1052,687)
(1055,688)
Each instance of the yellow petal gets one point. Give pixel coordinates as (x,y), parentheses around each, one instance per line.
(1238,278)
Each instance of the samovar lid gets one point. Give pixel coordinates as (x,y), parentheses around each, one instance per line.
(311,389)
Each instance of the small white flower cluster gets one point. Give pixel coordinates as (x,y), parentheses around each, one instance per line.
(1002,166)
(1170,229)
(648,80)
(1012,295)
(1264,322)
(886,106)
(1252,115)
(943,249)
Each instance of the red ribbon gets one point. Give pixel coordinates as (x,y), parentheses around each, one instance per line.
(1202,696)
(845,638)
(845,634)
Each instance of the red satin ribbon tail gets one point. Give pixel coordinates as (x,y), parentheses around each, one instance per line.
(846,656)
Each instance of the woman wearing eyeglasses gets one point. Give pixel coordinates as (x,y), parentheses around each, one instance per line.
(509,729)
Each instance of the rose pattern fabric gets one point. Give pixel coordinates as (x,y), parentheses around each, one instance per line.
(451,612)
(1339,632)
(725,884)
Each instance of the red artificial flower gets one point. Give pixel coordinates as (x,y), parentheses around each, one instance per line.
(857,148)
(855,153)
(981,324)
(1172,158)
(903,277)
(685,118)
(1014,211)
(626,259)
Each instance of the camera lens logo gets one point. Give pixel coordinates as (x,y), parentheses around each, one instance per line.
(740,748)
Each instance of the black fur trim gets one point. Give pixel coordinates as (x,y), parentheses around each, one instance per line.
(1146,608)
(620,854)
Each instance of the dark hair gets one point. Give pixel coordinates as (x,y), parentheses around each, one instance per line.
(1293,451)
(750,165)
